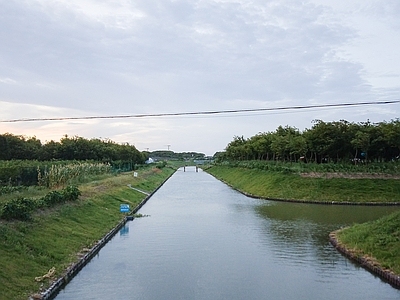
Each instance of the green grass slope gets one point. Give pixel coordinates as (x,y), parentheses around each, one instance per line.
(379,241)
(278,185)
(55,237)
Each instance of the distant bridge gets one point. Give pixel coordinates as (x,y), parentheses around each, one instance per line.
(184,168)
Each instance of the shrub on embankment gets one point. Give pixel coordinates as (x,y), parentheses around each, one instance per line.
(388,168)
(22,208)
(292,186)
(378,241)
(59,236)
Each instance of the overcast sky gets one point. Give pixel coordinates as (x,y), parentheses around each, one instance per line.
(78,58)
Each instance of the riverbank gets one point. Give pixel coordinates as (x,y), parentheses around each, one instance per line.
(58,238)
(297,188)
(375,245)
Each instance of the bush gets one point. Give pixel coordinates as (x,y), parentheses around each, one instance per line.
(161,164)
(53,198)
(10,189)
(22,208)
(70,193)
(291,167)
(19,209)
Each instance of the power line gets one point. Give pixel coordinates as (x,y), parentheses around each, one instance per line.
(215,112)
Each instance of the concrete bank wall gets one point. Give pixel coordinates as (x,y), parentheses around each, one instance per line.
(366,263)
(71,272)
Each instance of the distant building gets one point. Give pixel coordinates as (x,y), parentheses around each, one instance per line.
(149,161)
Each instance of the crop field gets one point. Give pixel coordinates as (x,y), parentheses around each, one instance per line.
(48,174)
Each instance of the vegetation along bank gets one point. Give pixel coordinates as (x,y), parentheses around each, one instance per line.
(375,245)
(294,182)
(57,231)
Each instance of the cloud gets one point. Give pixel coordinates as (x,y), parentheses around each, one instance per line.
(7,81)
(91,57)
(376,25)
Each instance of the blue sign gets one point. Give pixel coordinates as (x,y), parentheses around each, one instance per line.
(124,208)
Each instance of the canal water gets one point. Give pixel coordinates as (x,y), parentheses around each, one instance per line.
(203,240)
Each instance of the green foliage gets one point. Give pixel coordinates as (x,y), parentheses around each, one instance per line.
(70,193)
(339,142)
(60,175)
(69,148)
(378,239)
(171,155)
(161,164)
(11,189)
(296,168)
(18,172)
(286,185)
(20,147)
(19,209)
(56,236)
(55,173)
(33,172)
(22,208)
(53,198)
(140,216)
(47,163)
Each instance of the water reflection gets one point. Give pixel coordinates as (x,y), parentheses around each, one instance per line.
(302,231)
(207,241)
(323,214)
(124,231)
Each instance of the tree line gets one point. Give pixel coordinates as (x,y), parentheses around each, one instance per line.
(167,154)
(17,147)
(338,141)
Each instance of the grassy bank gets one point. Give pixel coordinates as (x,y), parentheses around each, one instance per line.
(378,241)
(279,185)
(55,237)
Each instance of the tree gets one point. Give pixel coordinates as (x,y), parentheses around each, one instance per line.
(18,147)
(261,145)
(287,143)
(235,149)
(391,136)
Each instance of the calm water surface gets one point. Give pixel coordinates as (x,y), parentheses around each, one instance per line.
(203,240)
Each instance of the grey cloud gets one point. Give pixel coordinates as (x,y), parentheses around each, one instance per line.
(164,56)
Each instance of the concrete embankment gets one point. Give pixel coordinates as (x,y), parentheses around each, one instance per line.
(365,262)
(73,270)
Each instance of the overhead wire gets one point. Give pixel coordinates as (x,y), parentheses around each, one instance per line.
(203,113)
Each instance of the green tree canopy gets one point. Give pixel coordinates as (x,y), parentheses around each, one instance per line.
(339,141)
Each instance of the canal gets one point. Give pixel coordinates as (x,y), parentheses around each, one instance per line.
(200,239)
